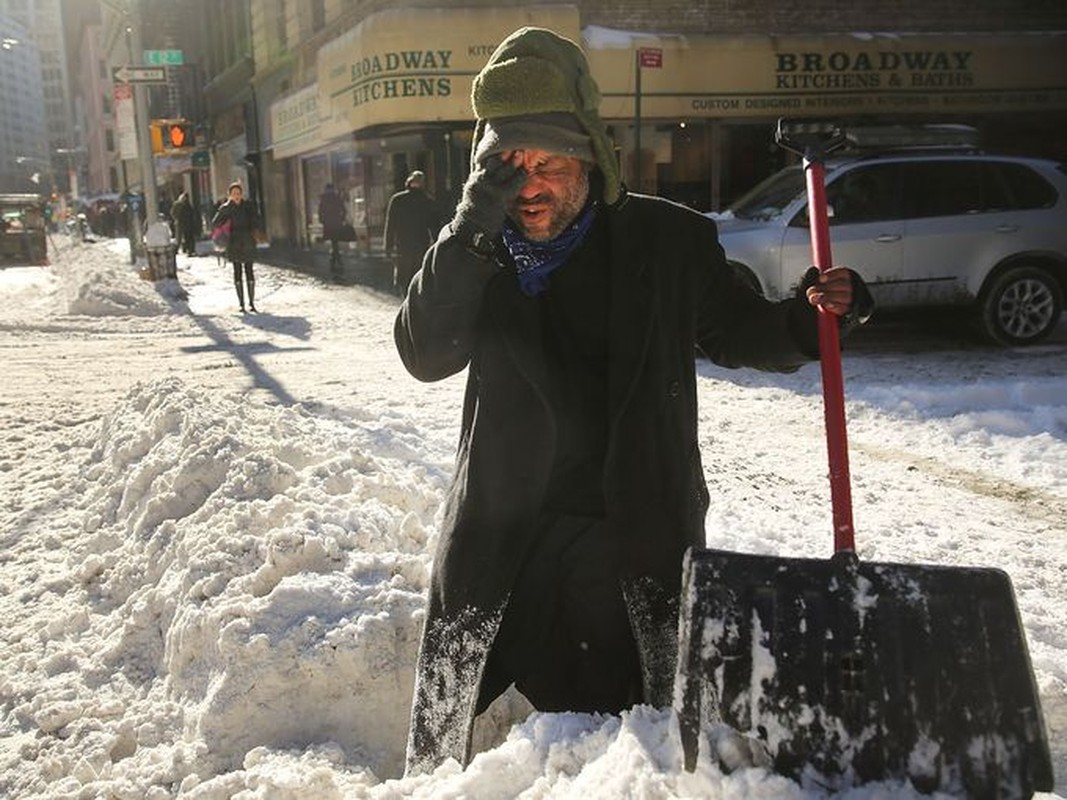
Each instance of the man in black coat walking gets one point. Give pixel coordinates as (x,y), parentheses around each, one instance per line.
(411,223)
(183,217)
(332,217)
(578,311)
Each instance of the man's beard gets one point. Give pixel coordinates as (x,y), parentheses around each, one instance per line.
(565,209)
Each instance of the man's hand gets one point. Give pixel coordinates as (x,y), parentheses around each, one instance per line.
(840,291)
(832,290)
(486,195)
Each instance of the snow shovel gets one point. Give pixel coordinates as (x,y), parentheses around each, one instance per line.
(844,672)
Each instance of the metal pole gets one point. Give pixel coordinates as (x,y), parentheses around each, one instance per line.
(140,110)
(637,119)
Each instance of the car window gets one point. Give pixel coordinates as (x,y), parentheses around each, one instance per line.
(950,188)
(866,193)
(767,198)
(1024,187)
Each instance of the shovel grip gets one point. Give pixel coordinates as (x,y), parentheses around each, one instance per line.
(833,386)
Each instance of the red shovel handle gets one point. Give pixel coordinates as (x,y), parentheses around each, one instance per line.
(813,142)
(833,384)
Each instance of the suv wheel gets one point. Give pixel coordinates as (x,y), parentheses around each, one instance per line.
(1021,306)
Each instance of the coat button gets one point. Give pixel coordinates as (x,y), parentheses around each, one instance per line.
(674,389)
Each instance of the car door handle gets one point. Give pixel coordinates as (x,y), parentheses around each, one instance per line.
(888,237)
(1006,228)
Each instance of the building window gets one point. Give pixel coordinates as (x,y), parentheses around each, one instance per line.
(109,140)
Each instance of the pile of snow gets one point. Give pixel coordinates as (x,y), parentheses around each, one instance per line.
(212,588)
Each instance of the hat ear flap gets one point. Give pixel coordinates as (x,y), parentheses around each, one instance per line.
(479,132)
(588,93)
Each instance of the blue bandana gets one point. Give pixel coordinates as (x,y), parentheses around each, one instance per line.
(535,260)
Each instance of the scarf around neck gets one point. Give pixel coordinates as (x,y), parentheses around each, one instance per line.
(534,261)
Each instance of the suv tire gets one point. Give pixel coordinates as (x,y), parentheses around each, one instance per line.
(1021,306)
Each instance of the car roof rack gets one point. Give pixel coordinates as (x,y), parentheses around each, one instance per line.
(912,137)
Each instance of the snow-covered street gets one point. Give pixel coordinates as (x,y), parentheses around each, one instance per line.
(216,531)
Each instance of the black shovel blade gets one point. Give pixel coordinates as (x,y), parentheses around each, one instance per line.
(850,673)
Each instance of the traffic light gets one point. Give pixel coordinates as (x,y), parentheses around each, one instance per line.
(171,134)
(179,134)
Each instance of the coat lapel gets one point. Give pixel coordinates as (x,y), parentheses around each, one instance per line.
(633,304)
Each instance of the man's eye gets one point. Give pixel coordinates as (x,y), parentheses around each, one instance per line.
(549,173)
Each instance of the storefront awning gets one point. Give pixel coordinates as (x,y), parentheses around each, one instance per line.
(417,65)
(883,73)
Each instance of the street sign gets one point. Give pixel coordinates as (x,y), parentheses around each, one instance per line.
(128,74)
(125,121)
(650,57)
(171,58)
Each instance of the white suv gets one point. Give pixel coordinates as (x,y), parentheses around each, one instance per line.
(923,228)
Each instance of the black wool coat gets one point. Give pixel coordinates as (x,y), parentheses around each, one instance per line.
(331,214)
(244,222)
(411,222)
(672,294)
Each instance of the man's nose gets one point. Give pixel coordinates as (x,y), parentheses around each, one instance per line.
(532,187)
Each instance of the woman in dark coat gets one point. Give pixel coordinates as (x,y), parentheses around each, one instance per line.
(241,246)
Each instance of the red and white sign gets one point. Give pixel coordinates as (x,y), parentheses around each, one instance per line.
(650,57)
(125,121)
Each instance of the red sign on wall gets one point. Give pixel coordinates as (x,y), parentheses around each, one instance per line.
(650,57)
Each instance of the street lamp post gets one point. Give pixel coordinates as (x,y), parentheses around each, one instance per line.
(140,110)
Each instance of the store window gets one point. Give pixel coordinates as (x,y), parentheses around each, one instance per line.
(747,154)
(683,172)
(345,170)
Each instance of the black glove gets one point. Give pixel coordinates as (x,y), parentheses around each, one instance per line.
(486,194)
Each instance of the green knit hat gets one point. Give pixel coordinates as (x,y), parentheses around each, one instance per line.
(535,71)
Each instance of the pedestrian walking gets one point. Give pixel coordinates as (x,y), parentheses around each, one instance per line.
(183,220)
(411,224)
(243,221)
(332,217)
